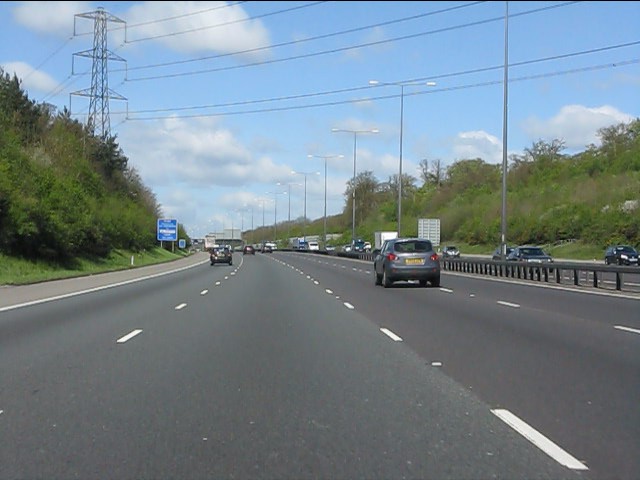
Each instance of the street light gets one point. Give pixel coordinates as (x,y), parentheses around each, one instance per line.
(353,187)
(289,194)
(401,85)
(325,157)
(304,225)
(275,214)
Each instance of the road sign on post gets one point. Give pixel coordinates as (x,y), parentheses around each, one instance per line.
(167,230)
(429,228)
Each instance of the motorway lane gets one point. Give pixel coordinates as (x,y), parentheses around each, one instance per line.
(553,356)
(262,375)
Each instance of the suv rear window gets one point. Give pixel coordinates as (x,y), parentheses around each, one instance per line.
(413,246)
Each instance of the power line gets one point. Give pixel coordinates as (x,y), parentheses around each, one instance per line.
(431,91)
(366,87)
(309,39)
(226,23)
(352,47)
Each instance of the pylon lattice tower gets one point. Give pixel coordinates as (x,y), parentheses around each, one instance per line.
(99,94)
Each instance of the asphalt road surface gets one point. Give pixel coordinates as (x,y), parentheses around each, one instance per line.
(290,365)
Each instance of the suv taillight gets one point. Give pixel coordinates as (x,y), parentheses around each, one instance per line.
(391,257)
(434,257)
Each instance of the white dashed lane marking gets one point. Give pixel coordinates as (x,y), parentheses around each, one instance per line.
(539,440)
(391,335)
(129,336)
(627,329)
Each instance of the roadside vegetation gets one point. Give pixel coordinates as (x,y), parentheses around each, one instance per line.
(572,205)
(70,204)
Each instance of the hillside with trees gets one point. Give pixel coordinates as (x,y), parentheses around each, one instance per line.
(65,193)
(592,197)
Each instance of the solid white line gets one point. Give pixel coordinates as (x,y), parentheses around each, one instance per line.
(627,329)
(204,292)
(508,304)
(391,335)
(349,306)
(129,336)
(96,289)
(539,440)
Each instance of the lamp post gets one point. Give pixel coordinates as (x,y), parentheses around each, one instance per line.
(304,225)
(325,157)
(353,187)
(275,214)
(401,85)
(289,195)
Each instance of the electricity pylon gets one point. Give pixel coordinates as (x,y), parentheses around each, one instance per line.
(99,94)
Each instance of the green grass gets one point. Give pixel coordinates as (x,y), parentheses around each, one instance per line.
(17,271)
(568,251)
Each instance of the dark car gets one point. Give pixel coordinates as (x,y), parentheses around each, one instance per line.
(221,255)
(497,253)
(405,259)
(451,251)
(529,254)
(621,255)
(248,250)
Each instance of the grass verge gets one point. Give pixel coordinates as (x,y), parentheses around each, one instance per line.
(19,271)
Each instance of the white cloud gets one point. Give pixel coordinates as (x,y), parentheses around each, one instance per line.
(31,79)
(55,18)
(212,27)
(576,125)
(197,153)
(477,144)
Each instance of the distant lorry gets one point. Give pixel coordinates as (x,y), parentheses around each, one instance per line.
(299,243)
(380,237)
(209,241)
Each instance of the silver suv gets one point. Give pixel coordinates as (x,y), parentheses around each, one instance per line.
(406,259)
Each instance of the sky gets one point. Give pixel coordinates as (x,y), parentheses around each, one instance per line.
(216,104)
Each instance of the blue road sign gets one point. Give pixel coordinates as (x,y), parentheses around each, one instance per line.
(167,230)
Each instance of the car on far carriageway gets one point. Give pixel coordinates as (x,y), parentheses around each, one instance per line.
(451,251)
(529,254)
(406,259)
(497,253)
(248,250)
(621,255)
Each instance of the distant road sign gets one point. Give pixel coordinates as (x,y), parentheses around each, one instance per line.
(182,243)
(167,230)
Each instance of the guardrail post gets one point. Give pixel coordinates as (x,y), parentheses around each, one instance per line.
(595,279)
(558,275)
(618,281)
(576,279)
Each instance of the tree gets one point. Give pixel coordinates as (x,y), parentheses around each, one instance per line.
(432,174)
(366,187)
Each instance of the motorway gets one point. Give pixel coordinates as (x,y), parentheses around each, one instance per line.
(291,365)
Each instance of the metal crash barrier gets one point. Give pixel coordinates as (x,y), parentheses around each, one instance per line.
(620,278)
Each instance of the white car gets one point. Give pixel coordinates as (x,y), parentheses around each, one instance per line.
(313,246)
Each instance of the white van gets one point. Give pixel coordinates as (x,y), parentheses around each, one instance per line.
(313,246)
